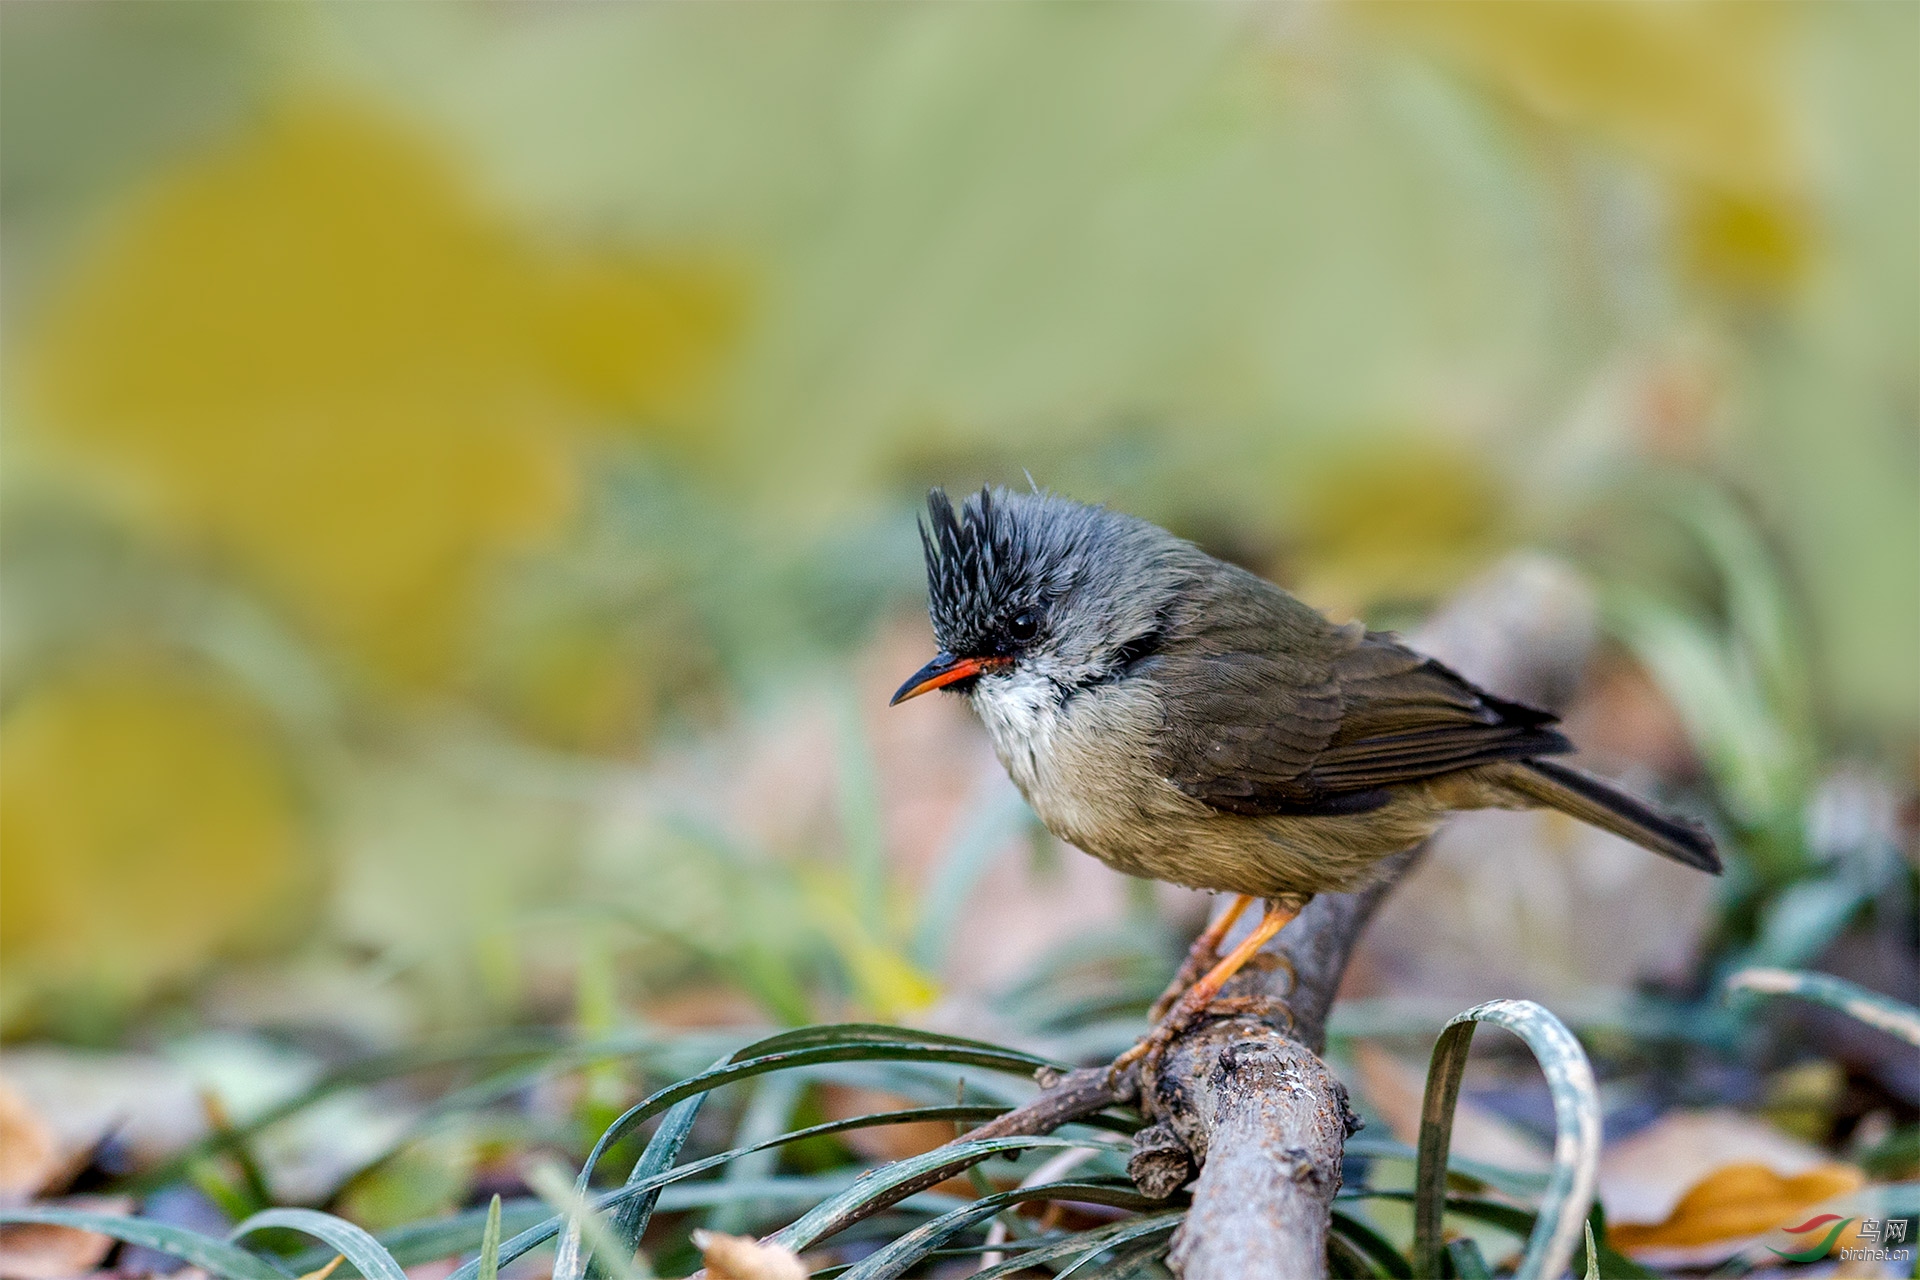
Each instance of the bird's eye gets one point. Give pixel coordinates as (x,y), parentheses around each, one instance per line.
(1024,627)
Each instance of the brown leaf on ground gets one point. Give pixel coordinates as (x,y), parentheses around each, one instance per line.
(1730,1207)
(1644,1176)
(744,1258)
(29,1150)
(38,1251)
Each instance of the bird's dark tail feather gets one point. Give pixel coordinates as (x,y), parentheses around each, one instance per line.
(1605,806)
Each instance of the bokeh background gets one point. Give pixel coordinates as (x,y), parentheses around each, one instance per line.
(460,465)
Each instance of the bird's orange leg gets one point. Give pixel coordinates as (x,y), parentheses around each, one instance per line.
(1200,956)
(1193,1004)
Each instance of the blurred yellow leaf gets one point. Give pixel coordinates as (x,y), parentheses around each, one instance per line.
(885,981)
(1399,522)
(1694,87)
(318,351)
(144,824)
(1735,1202)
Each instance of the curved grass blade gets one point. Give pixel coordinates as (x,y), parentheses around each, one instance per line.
(366,1254)
(454,1234)
(216,1257)
(663,1149)
(1576,1148)
(1344,1262)
(1131,1262)
(437,1238)
(1083,1246)
(632,1217)
(778,1053)
(871,1190)
(548,1052)
(553,1049)
(1375,1247)
(1151,1227)
(881,1033)
(1892,1016)
(898,1257)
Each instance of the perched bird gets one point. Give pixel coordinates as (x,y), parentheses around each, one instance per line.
(1182,719)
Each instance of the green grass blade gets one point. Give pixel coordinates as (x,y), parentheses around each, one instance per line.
(1085,1245)
(549,1051)
(366,1254)
(663,1149)
(1125,1233)
(781,1053)
(768,1113)
(439,1240)
(1344,1262)
(899,1256)
(1376,1247)
(1576,1151)
(879,1033)
(872,1188)
(216,1257)
(1887,1014)
(490,1242)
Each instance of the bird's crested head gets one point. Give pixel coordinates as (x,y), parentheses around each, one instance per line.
(1036,580)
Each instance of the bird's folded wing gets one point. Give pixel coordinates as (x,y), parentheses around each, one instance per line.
(1326,727)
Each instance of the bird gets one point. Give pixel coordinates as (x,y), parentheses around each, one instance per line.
(1183,719)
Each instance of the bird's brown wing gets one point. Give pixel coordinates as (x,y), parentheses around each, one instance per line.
(1304,719)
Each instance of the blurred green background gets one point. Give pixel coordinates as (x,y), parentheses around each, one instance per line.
(460,459)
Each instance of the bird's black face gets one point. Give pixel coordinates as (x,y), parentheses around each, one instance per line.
(986,593)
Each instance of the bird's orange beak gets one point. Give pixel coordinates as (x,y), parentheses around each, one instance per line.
(945,669)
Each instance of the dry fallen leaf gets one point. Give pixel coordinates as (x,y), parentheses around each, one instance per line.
(29,1151)
(1644,1176)
(39,1251)
(1730,1207)
(744,1258)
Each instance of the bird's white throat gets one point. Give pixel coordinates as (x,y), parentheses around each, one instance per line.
(1021,710)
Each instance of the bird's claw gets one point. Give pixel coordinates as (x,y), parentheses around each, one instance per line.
(1183,1017)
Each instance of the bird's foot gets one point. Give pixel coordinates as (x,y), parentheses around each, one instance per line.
(1201,956)
(1199,999)
(1183,1018)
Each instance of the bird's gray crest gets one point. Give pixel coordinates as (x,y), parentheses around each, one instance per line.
(974,560)
(1004,552)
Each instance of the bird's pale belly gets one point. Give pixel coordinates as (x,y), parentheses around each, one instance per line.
(1091,782)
